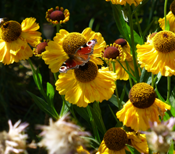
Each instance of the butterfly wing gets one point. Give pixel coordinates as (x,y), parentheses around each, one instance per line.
(80,57)
(71,63)
(86,50)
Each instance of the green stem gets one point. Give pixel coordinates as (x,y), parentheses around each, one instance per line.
(55,76)
(152,75)
(116,91)
(139,28)
(133,44)
(38,83)
(168,87)
(94,127)
(58,27)
(63,106)
(165,10)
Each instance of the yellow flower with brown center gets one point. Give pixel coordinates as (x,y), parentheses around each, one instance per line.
(57,16)
(141,108)
(86,84)
(65,44)
(158,53)
(14,39)
(123,2)
(119,50)
(170,17)
(115,140)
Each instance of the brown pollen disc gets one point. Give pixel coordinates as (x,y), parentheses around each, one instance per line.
(72,42)
(164,41)
(142,95)
(111,52)
(115,139)
(121,42)
(57,15)
(11,30)
(86,73)
(41,47)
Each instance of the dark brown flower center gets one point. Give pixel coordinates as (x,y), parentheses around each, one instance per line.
(115,139)
(72,42)
(86,73)
(164,41)
(10,31)
(121,42)
(57,15)
(142,95)
(41,47)
(111,52)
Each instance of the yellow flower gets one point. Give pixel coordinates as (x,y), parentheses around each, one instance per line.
(58,16)
(14,39)
(86,84)
(170,17)
(142,107)
(138,141)
(115,140)
(158,53)
(65,44)
(119,50)
(123,2)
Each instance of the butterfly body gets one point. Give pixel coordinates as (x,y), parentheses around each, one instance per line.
(80,57)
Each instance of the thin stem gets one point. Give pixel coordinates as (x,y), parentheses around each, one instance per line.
(139,28)
(132,43)
(152,75)
(116,91)
(58,27)
(165,10)
(168,87)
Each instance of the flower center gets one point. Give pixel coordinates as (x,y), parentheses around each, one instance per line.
(172,7)
(142,95)
(121,42)
(111,52)
(115,139)
(41,47)
(86,73)
(10,31)
(57,15)
(72,42)
(164,41)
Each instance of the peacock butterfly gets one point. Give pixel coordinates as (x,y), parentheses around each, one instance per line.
(80,57)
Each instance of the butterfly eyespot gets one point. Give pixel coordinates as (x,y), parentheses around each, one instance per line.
(80,57)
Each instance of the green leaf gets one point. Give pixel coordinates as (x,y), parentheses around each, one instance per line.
(96,115)
(137,38)
(43,105)
(50,92)
(82,112)
(113,100)
(144,75)
(120,22)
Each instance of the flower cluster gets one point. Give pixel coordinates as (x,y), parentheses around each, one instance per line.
(86,71)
